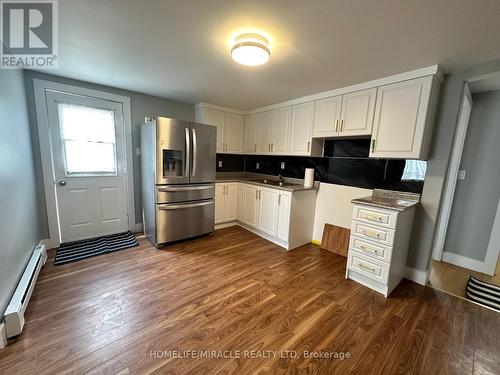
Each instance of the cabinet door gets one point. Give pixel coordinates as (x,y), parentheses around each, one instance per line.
(233,133)
(357,113)
(250,205)
(281,134)
(219,203)
(301,134)
(216,118)
(251,131)
(266,129)
(268,213)
(241,203)
(283,216)
(231,202)
(400,119)
(327,117)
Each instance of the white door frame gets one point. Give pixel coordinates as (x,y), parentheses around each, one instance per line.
(488,265)
(451,178)
(40,86)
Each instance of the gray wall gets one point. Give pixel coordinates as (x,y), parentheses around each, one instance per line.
(19,230)
(446,120)
(141,106)
(476,197)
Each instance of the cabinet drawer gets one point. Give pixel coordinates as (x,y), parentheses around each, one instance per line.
(371,232)
(377,216)
(368,267)
(371,249)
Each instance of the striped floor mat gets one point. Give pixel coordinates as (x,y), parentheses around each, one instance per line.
(483,293)
(78,250)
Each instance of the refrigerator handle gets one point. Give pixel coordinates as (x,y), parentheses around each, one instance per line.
(188,152)
(195,152)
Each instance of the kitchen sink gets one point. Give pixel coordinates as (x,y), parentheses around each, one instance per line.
(273,182)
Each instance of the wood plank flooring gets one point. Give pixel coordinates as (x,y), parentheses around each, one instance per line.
(239,295)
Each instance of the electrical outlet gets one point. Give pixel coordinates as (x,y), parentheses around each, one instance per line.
(461,174)
(257,166)
(220,163)
(137,151)
(282,165)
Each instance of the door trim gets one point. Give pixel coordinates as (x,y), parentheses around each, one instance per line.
(451,178)
(39,88)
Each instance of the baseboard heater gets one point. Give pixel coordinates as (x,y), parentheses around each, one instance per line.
(14,314)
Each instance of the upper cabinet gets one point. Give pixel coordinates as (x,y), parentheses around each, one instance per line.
(301,141)
(404,116)
(343,116)
(229,128)
(397,112)
(268,133)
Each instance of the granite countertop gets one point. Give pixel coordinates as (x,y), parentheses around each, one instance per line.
(389,199)
(294,184)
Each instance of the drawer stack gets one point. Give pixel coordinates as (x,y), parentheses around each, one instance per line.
(378,246)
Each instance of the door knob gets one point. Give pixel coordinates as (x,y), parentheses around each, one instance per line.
(62,182)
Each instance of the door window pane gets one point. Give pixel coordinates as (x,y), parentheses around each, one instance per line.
(88,135)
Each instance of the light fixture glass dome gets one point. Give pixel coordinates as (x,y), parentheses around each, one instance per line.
(250,49)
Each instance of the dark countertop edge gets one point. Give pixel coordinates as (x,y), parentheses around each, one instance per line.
(249,181)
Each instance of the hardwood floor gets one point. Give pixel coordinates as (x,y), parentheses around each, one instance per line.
(233,291)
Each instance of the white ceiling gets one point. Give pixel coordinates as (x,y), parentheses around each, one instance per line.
(179,49)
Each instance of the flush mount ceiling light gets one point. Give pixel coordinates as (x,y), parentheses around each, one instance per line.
(250,49)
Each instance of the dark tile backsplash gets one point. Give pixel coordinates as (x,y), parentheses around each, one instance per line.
(346,162)
(230,163)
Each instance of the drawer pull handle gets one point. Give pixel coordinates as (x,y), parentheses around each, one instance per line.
(367,268)
(371,234)
(372,217)
(368,250)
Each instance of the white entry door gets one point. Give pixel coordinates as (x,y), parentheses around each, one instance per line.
(88,153)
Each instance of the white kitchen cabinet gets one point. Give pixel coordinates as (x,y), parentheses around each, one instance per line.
(404,115)
(378,246)
(250,203)
(233,133)
(281,134)
(226,202)
(347,115)
(230,127)
(282,231)
(268,210)
(357,113)
(265,132)
(327,117)
(301,141)
(252,124)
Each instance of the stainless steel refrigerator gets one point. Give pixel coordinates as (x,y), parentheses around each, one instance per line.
(178,179)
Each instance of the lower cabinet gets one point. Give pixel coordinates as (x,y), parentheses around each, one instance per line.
(226,202)
(269,212)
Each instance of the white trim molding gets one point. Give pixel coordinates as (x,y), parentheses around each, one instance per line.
(40,87)
(3,336)
(418,276)
(465,262)
(452,175)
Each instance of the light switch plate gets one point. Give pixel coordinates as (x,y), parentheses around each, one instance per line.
(282,165)
(461,174)
(257,165)
(220,163)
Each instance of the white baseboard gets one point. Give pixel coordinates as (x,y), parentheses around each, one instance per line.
(225,225)
(465,262)
(418,276)
(3,336)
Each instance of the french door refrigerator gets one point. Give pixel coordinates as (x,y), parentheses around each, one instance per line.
(178,179)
